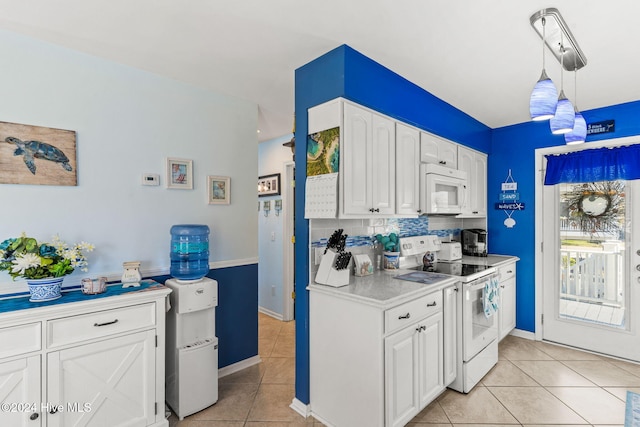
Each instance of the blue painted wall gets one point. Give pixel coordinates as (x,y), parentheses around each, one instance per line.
(343,72)
(513,147)
(237,312)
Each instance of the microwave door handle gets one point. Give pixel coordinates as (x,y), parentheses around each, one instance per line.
(464,195)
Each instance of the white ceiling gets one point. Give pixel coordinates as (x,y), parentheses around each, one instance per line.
(481,56)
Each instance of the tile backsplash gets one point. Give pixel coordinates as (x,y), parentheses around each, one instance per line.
(361,232)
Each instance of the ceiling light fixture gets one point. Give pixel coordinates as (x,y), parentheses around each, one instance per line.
(562,122)
(542,104)
(555,33)
(579,132)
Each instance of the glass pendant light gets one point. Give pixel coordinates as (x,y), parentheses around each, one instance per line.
(542,104)
(562,122)
(579,133)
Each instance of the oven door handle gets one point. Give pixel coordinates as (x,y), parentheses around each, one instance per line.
(475,287)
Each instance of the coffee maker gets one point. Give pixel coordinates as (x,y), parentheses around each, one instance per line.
(474,242)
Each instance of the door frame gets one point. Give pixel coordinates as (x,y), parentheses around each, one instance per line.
(540,163)
(288,278)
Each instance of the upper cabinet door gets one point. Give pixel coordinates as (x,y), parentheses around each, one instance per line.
(407,170)
(357,149)
(434,149)
(475,164)
(383,166)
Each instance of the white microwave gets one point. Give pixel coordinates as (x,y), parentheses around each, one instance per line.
(442,189)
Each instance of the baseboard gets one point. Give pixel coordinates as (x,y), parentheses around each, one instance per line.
(523,334)
(238,366)
(270,313)
(301,408)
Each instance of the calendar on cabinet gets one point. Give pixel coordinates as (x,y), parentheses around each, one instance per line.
(321,193)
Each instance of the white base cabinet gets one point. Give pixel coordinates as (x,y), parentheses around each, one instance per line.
(373,366)
(98,362)
(507,299)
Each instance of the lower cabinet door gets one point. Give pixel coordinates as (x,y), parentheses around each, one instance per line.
(401,376)
(507,311)
(430,359)
(20,392)
(107,383)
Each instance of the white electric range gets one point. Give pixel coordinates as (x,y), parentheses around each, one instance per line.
(477,333)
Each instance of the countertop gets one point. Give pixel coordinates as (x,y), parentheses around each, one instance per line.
(382,289)
(491,260)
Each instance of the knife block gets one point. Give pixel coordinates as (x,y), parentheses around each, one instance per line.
(328,275)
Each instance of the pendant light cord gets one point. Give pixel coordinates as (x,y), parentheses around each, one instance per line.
(544,21)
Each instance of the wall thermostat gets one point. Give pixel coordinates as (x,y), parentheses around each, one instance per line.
(150,179)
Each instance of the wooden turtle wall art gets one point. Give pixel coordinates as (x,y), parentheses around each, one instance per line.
(37,155)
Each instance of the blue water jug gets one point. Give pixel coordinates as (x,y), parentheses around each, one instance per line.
(189,251)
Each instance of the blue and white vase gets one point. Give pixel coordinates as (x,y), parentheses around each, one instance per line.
(46,289)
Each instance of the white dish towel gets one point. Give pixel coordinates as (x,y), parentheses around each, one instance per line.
(490,297)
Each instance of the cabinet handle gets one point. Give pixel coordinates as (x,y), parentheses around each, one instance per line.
(376,210)
(442,162)
(106,323)
(34,416)
(53,410)
(502,286)
(509,271)
(475,212)
(406,316)
(433,304)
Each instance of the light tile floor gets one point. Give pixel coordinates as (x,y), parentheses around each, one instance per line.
(533,384)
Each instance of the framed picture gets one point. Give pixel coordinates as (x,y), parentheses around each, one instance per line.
(179,173)
(218,190)
(36,155)
(269,185)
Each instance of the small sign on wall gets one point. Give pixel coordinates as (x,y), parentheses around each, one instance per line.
(509,200)
(605,126)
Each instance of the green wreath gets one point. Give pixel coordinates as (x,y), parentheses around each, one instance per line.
(596,206)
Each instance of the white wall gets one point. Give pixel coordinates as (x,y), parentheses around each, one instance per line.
(127,122)
(272,157)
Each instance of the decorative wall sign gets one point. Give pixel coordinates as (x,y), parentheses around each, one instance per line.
(509,200)
(269,185)
(605,126)
(323,152)
(37,155)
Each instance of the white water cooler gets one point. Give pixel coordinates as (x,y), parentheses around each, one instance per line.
(192,346)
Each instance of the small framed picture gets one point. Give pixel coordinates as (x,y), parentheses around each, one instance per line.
(269,185)
(218,190)
(179,173)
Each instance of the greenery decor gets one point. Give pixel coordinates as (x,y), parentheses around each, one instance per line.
(596,206)
(24,257)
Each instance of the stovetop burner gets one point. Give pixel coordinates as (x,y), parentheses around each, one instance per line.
(454,268)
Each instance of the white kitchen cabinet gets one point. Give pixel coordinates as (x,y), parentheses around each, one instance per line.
(434,149)
(368,163)
(20,389)
(114,377)
(407,170)
(93,362)
(475,164)
(376,366)
(507,299)
(450,347)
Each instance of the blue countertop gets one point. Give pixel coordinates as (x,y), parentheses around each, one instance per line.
(23,303)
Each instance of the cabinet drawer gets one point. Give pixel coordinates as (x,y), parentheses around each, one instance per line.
(73,329)
(406,314)
(20,339)
(506,272)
